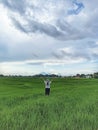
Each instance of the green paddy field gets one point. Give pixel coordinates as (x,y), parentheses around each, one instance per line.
(72,104)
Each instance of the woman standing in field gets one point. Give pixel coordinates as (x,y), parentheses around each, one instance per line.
(47,86)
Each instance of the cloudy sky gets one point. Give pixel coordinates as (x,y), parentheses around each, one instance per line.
(52,36)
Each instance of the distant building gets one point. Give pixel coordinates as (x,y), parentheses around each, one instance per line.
(88,76)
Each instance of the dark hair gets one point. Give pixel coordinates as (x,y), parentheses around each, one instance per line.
(47,82)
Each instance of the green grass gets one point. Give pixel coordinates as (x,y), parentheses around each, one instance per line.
(72,104)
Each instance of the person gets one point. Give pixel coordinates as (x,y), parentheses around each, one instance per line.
(47,86)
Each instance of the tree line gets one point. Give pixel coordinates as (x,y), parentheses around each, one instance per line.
(94,75)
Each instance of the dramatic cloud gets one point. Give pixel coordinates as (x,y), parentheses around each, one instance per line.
(48,35)
(48,17)
(51,18)
(89,53)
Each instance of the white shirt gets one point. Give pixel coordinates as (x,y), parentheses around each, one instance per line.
(47,84)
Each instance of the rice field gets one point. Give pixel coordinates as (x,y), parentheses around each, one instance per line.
(71,105)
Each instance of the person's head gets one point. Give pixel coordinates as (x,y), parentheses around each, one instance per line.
(47,79)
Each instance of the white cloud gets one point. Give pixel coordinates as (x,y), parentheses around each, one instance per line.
(35,33)
(35,17)
(32,67)
(52,18)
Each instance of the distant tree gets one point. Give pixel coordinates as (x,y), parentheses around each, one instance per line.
(1,75)
(95,75)
(78,75)
(82,75)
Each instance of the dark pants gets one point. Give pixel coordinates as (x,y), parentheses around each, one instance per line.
(47,91)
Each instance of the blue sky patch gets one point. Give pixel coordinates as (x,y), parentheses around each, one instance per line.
(77,8)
